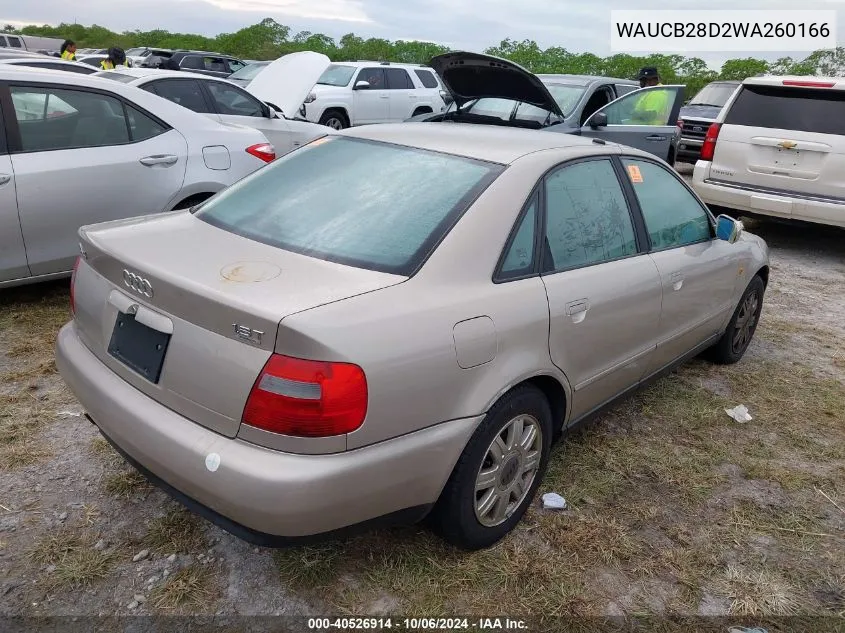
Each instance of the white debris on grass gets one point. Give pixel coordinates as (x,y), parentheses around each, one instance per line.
(739,413)
(553,501)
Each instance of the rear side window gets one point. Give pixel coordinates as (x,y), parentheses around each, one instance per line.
(775,107)
(426,78)
(186,92)
(366,204)
(194,62)
(15,42)
(398,79)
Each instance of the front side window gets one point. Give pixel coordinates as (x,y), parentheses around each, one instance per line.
(235,65)
(229,100)
(186,92)
(15,42)
(52,119)
(673,217)
(215,64)
(361,203)
(587,217)
(194,62)
(652,106)
(373,76)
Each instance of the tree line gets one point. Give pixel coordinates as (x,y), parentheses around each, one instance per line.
(269,40)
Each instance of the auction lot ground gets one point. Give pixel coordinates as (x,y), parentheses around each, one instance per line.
(674,506)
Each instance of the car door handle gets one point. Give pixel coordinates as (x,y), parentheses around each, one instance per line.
(384,97)
(577,310)
(677,280)
(4,179)
(159,159)
(655,137)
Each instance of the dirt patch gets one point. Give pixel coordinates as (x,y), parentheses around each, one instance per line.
(674,507)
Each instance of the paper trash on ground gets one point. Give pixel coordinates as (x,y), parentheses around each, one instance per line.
(739,413)
(553,501)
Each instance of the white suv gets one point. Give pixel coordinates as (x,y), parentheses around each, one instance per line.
(778,149)
(358,93)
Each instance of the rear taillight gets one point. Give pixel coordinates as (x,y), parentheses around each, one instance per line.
(73,286)
(306,398)
(808,84)
(264,151)
(709,146)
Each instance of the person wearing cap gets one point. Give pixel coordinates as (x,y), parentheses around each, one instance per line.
(652,108)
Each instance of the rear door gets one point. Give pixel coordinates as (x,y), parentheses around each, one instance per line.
(403,95)
(188,93)
(699,274)
(604,291)
(372,104)
(645,119)
(235,105)
(783,139)
(12,252)
(83,156)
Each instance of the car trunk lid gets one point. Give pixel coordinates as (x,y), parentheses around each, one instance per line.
(213,301)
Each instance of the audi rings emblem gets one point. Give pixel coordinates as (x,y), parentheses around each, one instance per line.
(137,283)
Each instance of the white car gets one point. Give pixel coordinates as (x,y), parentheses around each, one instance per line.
(77,150)
(359,93)
(778,149)
(284,83)
(50,63)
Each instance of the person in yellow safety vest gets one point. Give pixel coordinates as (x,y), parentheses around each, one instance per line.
(653,108)
(116,58)
(68,51)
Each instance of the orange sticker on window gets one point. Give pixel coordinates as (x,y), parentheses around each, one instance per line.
(634,173)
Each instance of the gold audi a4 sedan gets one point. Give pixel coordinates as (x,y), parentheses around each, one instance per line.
(395,322)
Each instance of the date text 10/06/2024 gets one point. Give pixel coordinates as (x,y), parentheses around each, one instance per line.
(417,624)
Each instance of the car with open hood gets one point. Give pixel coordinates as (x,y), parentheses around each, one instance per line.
(269,104)
(494,91)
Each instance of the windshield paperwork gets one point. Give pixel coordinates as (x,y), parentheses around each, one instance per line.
(336,75)
(715,95)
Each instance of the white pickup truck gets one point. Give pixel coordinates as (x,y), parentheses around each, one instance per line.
(31,43)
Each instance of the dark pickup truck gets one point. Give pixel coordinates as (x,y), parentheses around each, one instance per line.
(697,115)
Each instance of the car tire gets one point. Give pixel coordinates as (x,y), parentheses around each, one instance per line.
(334,119)
(490,487)
(731,347)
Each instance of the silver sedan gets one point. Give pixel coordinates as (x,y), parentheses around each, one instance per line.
(396,322)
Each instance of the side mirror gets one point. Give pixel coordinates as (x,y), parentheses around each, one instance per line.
(728,229)
(270,112)
(362,85)
(599,119)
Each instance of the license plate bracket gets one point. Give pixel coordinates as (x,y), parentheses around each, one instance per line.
(138,346)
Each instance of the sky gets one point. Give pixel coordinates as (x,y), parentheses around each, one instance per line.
(577,25)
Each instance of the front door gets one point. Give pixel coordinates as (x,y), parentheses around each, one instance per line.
(645,119)
(699,273)
(85,157)
(235,105)
(12,250)
(604,291)
(370,104)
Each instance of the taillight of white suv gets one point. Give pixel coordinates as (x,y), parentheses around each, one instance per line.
(708,149)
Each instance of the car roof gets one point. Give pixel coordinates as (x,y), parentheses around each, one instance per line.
(587,79)
(362,62)
(491,143)
(160,73)
(798,81)
(29,60)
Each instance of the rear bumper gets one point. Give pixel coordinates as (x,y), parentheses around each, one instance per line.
(689,149)
(262,495)
(766,202)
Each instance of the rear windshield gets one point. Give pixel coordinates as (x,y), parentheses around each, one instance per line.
(361,203)
(800,109)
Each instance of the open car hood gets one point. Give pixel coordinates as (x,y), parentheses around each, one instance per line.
(471,76)
(286,82)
